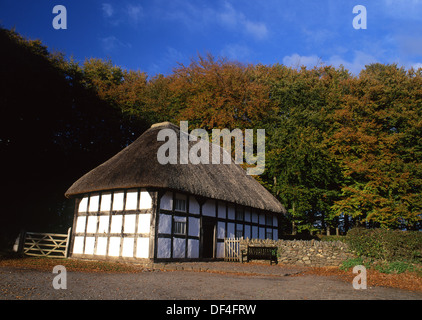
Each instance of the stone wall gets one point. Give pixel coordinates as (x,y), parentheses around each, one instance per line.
(306,252)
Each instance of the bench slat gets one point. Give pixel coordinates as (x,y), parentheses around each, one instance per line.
(261,253)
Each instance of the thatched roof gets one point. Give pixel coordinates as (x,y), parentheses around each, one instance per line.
(137,166)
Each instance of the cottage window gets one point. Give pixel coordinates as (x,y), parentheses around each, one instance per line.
(179,227)
(269,220)
(269,234)
(180,205)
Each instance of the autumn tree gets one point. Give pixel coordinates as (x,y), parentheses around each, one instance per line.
(301,171)
(217,93)
(381,168)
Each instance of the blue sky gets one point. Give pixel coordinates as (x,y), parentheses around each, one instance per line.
(155,35)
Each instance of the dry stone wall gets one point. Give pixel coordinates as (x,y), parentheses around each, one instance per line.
(306,252)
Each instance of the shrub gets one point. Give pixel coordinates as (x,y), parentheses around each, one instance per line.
(388,245)
(331,238)
(351,262)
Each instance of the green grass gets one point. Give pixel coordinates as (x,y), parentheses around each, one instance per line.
(388,267)
(351,262)
(395,267)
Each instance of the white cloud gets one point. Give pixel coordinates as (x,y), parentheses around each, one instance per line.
(257,29)
(111,43)
(355,65)
(228,16)
(190,15)
(196,17)
(107,10)
(359,61)
(297,61)
(131,14)
(173,55)
(169,57)
(231,18)
(134,13)
(417,65)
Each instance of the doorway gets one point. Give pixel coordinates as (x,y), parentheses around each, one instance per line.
(208,237)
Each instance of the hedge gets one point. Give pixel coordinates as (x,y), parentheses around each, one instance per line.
(389,245)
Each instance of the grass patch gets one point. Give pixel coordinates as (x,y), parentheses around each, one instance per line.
(397,267)
(388,267)
(352,262)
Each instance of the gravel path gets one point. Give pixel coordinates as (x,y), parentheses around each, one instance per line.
(149,284)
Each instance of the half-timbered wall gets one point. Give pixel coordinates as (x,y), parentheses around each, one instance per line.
(180,221)
(114,224)
(137,224)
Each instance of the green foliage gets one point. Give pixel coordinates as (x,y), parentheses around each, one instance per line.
(331,238)
(395,267)
(388,245)
(351,262)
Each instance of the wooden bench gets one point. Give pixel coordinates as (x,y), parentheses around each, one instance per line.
(260,253)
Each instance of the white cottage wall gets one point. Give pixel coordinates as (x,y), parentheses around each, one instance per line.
(118,201)
(131,201)
(113,224)
(146,200)
(92,224)
(93,203)
(103,225)
(144,222)
(142,248)
(102,246)
(105,202)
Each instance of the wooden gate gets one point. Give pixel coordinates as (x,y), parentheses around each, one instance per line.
(46,244)
(232,249)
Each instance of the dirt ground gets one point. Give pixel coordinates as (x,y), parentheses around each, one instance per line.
(189,281)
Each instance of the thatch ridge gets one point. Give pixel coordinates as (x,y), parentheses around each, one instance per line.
(137,166)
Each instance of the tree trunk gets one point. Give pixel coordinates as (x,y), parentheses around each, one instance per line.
(293,221)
